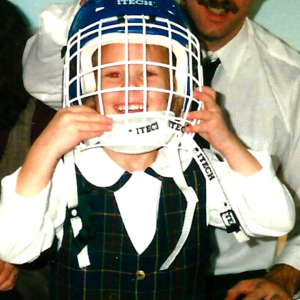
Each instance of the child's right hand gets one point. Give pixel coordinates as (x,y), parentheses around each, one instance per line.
(67,129)
(70,126)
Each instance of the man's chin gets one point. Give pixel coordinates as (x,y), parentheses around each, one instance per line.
(210,37)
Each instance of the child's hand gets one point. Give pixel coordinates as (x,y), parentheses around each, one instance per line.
(67,129)
(212,126)
(70,126)
(214,130)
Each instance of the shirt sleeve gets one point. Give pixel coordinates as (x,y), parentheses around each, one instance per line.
(291,175)
(42,59)
(261,202)
(28,226)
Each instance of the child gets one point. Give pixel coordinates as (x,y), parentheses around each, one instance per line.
(130,205)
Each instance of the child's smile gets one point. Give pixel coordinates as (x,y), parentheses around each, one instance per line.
(132,108)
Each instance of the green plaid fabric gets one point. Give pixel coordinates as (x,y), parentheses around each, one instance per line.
(114,261)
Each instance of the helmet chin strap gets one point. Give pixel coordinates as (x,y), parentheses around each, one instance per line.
(191,198)
(138,133)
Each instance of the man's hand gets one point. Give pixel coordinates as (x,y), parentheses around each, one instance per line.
(82,2)
(257,289)
(281,283)
(8,276)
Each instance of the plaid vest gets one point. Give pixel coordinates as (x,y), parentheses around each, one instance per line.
(116,270)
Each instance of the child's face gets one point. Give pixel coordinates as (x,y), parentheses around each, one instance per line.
(114,77)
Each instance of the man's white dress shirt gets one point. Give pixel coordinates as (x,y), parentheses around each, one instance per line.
(258,85)
(42,60)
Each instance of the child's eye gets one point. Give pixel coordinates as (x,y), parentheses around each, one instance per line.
(150,73)
(114,75)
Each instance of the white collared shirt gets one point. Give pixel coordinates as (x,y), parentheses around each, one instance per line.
(258,83)
(41,218)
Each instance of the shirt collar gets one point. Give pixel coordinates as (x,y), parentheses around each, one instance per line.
(232,53)
(97,167)
(100,170)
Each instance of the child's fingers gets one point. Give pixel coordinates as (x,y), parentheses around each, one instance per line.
(79,108)
(198,128)
(73,125)
(209,102)
(73,115)
(205,90)
(208,90)
(86,135)
(91,117)
(208,97)
(208,120)
(94,127)
(203,115)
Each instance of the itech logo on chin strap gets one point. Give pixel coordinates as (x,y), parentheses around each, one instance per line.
(148,128)
(135,2)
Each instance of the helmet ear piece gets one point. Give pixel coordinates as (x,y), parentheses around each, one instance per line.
(88,80)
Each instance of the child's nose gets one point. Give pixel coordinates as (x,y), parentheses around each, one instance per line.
(136,81)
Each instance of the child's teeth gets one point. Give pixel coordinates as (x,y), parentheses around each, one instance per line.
(131,107)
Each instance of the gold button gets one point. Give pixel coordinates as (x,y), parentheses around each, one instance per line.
(140,275)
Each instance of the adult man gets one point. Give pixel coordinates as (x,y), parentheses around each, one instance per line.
(258,83)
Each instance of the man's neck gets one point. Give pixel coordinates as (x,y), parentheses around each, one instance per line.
(132,162)
(213,45)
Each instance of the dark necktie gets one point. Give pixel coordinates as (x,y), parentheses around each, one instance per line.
(209,70)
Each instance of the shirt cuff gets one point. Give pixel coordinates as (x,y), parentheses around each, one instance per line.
(262,178)
(10,199)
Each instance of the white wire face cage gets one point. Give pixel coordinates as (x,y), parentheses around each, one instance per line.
(141,74)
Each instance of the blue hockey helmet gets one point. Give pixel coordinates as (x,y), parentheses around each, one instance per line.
(146,22)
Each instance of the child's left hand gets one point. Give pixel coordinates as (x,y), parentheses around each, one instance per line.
(212,126)
(214,130)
